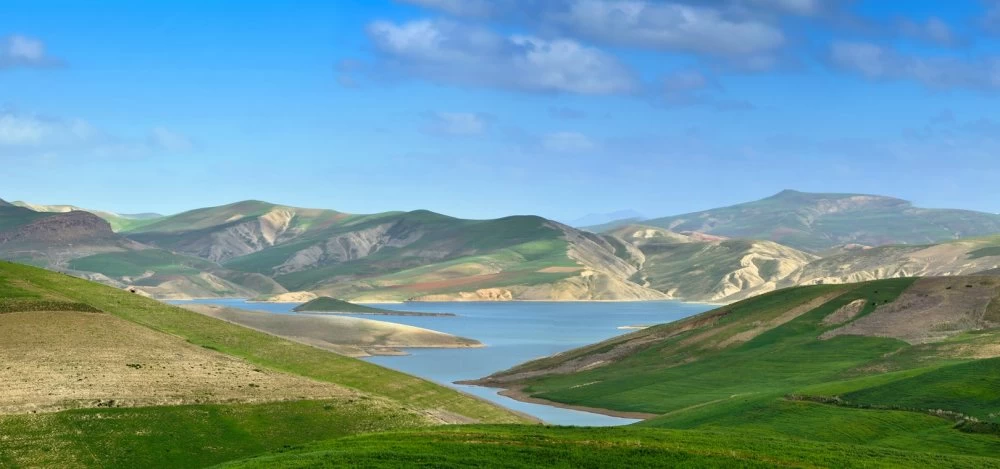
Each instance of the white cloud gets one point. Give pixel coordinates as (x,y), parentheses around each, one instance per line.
(23,51)
(671,26)
(447,52)
(567,142)
(457,123)
(933,30)
(166,139)
(21,130)
(28,134)
(878,62)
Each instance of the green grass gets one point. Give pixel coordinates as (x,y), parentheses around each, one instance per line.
(971,388)
(185,436)
(136,263)
(531,447)
(662,376)
(985,252)
(326,304)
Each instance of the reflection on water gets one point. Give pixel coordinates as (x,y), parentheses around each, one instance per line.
(514,332)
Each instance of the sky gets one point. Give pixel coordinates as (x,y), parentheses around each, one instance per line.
(481,109)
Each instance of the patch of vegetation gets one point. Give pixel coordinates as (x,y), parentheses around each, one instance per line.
(325,304)
(985,252)
(136,263)
(531,447)
(186,436)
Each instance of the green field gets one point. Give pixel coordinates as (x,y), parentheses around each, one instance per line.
(530,447)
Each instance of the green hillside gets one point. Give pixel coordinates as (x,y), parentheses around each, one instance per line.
(203,429)
(895,363)
(12,216)
(325,304)
(815,222)
(532,447)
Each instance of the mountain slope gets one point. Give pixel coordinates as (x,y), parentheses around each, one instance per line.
(964,257)
(693,268)
(812,221)
(800,362)
(83,244)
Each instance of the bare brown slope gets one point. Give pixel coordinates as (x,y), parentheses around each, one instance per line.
(931,310)
(62,360)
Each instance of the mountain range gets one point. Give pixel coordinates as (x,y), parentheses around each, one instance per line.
(261,249)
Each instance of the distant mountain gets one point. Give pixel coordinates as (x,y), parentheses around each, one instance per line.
(417,255)
(593,219)
(4,203)
(698,268)
(261,249)
(82,243)
(118,221)
(814,222)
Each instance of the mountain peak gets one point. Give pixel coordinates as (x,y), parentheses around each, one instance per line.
(4,203)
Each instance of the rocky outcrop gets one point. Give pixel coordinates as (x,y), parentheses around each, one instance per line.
(60,228)
(351,246)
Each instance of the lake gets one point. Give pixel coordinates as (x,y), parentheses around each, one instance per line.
(513,332)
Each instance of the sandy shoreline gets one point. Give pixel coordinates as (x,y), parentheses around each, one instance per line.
(517,394)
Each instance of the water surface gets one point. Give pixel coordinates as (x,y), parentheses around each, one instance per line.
(513,332)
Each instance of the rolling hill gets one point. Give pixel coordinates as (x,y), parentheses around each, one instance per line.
(910,364)
(98,377)
(698,268)
(118,221)
(815,221)
(401,255)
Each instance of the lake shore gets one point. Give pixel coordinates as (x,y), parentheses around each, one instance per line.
(517,393)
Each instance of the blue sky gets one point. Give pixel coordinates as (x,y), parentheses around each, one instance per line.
(482,108)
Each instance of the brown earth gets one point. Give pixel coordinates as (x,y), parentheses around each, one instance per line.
(844,313)
(931,310)
(51,361)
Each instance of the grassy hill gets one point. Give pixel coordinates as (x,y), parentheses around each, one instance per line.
(901,363)
(98,377)
(325,304)
(814,222)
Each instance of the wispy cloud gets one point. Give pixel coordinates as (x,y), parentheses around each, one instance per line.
(28,134)
(880,62)
(23,51)
(567,142)
(453,53)
(457,123)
